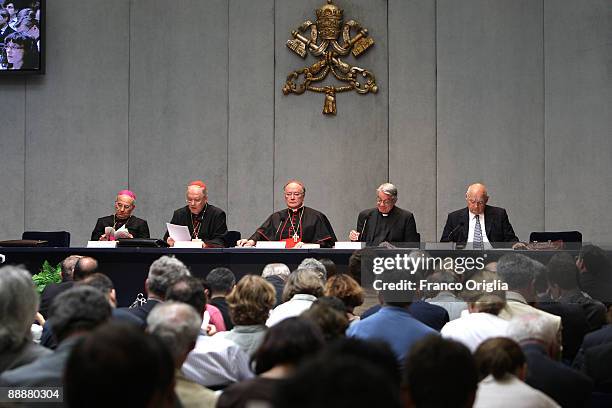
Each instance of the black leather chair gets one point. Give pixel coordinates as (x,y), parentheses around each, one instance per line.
(565,236)
(54,238)
(231,237)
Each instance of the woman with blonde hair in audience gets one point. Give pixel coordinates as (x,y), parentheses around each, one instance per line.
(502,369)
(348,291)
(249,307)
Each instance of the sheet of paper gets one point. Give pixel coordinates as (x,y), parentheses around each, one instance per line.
(122,232)
(178,232)
(109,232)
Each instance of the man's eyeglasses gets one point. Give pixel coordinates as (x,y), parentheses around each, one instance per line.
(12,47)
(125,207)
(476,202)
(293,194)
(198,201)
(384,202)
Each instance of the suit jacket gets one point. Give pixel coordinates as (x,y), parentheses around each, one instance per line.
(566,386)
(135,226)
(403,226)
(497,226)
(142,312)
(47,371)
(597,363)
(213,224)
(49,293)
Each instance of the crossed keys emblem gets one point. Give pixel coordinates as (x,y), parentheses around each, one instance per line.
(323,44)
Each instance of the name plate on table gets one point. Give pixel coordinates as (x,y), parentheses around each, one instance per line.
(188,244)
(444,246)
(101,244)
(349,245)
(311,246)
(271,244)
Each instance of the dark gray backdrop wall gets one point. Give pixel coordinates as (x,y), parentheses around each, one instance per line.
(514,93)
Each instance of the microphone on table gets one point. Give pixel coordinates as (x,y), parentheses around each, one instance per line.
(365,222)
(450,235)
(282,220)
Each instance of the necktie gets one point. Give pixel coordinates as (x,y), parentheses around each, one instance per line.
(477,234)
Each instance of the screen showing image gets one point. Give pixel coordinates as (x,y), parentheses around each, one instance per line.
(21,36)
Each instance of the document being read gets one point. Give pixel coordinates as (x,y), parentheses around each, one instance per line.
(178,232)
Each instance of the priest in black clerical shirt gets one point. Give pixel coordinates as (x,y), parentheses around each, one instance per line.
(296,224)
(125,203)
(204,220)
(386,222)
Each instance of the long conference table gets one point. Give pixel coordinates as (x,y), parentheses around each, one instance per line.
(128,267)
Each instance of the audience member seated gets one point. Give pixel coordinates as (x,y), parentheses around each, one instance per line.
(285,346)
(538,337)
(221,281)
(596,273)
(18,306)
(119,365)
(358,374)
(348,291)
(329,314)
(598,366)
(574,323)
(215,362)
(249,306)
(480,321)
(276,274)
(303,287)
(393,323)
(439,373)
(593,339)
(445,298)
(431,315)
(216,318)
(314,265)
(105,285)
(73,313)
(502,369)
(330,267)
(518,271)
(54,289)
(163,272)
(563,287)
(177,325)
(190,290)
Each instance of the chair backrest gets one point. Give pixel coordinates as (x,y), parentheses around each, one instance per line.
(54,238)
(565,236)
(231,237)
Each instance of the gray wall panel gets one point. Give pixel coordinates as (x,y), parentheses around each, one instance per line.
(490,107)
(76,133)
(578,120)
(178,104)
(341,159)
(412,109)
(12,158)
(515,93)
(251,114)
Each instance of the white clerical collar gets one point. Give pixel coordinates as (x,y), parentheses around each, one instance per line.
(297,209)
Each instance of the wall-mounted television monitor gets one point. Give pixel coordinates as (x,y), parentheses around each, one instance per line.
(22,37)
